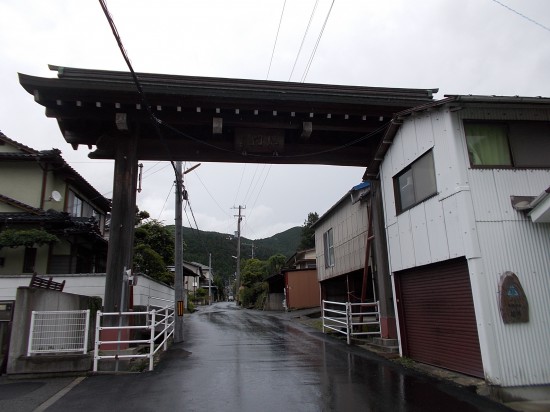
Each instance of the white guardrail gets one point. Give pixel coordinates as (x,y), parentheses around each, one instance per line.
(158,322)
(349,318)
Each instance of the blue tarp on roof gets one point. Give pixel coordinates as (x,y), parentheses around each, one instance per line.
(360,186)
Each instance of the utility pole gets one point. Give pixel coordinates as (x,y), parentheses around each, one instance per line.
(240,218)
(178,281)
(210,278)
(180,298)
(252,246)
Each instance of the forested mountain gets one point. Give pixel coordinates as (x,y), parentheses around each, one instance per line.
(222,246)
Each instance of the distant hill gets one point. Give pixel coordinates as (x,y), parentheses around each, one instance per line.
(222,246)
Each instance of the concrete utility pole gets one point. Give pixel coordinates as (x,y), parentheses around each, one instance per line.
(240,218)
(178,260)
(210,278)
(180,299)
(252,246)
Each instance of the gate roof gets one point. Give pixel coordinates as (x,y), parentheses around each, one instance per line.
(219,119)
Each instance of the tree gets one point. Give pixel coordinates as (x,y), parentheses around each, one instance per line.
(157,236)
(275,263)
(27,238)
(152,264)
(252,271)
(154,249)
(218,282)
(308,234)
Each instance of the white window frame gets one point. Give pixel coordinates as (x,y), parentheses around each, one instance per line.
(328,243)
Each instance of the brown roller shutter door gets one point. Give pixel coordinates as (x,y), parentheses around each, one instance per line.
(437,317)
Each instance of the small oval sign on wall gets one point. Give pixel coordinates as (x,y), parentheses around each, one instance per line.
(514,307)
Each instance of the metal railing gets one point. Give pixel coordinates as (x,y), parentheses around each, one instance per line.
(58,332)
(350,318)
(159,324)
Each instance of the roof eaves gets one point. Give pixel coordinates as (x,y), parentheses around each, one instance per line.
(20,146)
(20,205)
(335,206)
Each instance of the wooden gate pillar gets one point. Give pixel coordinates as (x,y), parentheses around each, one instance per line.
(121,234)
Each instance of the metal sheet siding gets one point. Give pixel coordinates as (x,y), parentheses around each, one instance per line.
(472,216)
(435,224)
(303,289)
(523,248)
(349,224)
(421,243)
(438,318)
(492,113)
(394,250)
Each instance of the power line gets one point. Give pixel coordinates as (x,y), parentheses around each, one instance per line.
(308,66)
(261,156)
(196,225)
(521,15)
(166,200)
(210,194)
(258,195)
(240,182)
(250,185)
(137,83)
(276,37)
(303,38)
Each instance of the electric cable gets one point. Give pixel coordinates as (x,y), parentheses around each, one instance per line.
(276,37)
(250,185)
(210,194)
(308,66)
(304,38)
(137,83)
(166,200)
(240,182)
(199,234)
(257,196)
(521,15)
(262,156)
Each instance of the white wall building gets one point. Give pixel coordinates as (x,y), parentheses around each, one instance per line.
(465,187)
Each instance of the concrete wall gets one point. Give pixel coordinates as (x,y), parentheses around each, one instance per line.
(91,284)
(26,301)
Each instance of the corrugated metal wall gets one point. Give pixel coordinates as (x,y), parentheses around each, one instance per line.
(472,216)
(509,241)
(349,224)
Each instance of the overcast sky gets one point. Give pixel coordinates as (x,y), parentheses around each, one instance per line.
(460,47)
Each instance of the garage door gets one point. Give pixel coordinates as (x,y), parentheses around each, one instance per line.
(437,317)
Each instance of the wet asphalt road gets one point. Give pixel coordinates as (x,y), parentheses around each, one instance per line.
(240,360)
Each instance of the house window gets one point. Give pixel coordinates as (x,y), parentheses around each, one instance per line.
(29,260)
(415,183)
(328,243)
(508,144)
(74,206)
